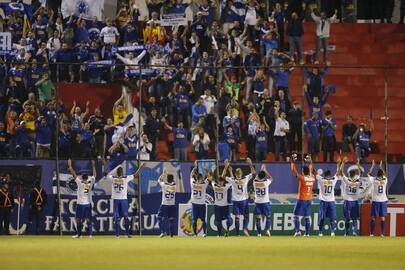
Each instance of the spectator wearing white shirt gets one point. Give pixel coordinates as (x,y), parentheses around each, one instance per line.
(54,43)
(209,101)
(201,143)
(145,148)
(322,34)
(280,136)
(109,34)
(131,61)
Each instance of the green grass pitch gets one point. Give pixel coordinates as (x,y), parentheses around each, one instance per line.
(148,252)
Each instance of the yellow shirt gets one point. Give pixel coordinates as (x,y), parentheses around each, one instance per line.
(119,116)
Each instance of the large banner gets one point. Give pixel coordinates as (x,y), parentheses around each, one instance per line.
(86,8)
(173,19)
(395,221)
(281,220)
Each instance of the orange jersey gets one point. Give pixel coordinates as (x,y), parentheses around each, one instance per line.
(305,184)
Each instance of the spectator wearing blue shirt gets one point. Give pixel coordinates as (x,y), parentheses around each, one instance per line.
(180,141)
(22,141)
(232,138)
(43,138)
(64,141)
(228,16)
(279,17)
(182,105)
(316,105)
(328,136)
(198,110)
(131,141)
(295,30)
(282,77)
(315,80)
(4,143)
(262,141)
(87,140)
(311,127)
(64,55)
(362,141)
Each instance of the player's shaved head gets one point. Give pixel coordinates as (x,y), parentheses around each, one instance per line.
(327,174)
(120,171)
(261,175)
(170,178)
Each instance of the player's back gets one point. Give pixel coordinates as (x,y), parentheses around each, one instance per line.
(305,185)
(327,188)
(119,189)
(239,187)
(379,189)
(261,187)
(350,189)
(168,193)
(221,193)
(198,191)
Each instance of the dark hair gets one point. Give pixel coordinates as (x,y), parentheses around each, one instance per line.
(221,179)
(305,170)
(380,173)
(261,175)
(85,176)
(327,173)
(352,173)
(170,178)
(120,170)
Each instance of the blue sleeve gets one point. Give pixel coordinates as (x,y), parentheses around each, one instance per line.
(306,129)
(306,73)
(324,98)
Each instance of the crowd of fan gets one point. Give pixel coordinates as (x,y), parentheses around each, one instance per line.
(223,69)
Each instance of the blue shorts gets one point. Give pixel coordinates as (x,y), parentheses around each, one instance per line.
(378,209)
(167,211)
(351,209)
(120,208)
(198,211)
(240,207)
(303,208)
(221,212)
(262,209)
(83,211)
(327,210)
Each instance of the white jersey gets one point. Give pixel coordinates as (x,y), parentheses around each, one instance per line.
(239,187)
(84,190)
(350,189)
(119,190)
(221,193)
(327,188)
(262,193)
(168,193)
(198,191)
(378,189)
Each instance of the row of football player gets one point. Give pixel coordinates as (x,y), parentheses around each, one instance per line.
(239,187)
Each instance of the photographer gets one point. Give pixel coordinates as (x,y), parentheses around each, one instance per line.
(37,203)
(362,141)
(6,205)
(328,136)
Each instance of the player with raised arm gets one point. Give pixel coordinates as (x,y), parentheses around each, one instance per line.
(327,206)
(306,182)
(198,190)
(167,210)
(350,188)
(378,197)
(262,200)
(221,207)
(240,196)
(119,194)
(83,206)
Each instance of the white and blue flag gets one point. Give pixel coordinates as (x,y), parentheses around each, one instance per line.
(88,8)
